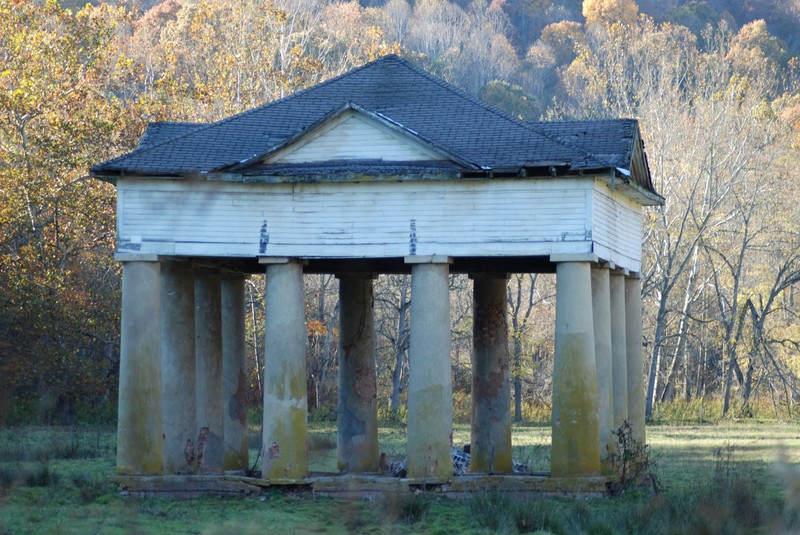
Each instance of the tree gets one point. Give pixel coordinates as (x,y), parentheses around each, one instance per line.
(392,325)
(755,53)
(62,108)
(564,40)
(608,12)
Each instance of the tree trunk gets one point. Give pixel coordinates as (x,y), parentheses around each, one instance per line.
(254,319)
(517,363)
(400,348)
(655,362)
(680,347)
(727,354)
(327,352)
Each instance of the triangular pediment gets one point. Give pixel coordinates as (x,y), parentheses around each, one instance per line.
(353,134)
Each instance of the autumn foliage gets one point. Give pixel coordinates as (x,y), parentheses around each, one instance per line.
(716,91)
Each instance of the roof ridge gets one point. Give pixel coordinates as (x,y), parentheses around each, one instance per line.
(473,99)
(587,121)
(184,123)
(302,91)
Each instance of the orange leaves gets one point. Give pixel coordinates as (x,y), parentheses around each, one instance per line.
(316,328)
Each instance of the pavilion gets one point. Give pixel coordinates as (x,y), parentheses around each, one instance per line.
(384,169)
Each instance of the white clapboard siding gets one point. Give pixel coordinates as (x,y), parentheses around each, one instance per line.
(353,136)
(616,227)
(356,220)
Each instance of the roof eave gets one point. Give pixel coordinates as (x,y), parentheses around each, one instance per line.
(619,180)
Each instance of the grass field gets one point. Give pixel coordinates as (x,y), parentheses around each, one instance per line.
(717,478)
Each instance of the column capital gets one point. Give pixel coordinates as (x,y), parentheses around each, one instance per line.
(428,259)
(281,260)
(576,257)
(602,264)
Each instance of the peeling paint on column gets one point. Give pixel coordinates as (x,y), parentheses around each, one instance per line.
(357,436)
(190,456)
(491,405)
(285,396)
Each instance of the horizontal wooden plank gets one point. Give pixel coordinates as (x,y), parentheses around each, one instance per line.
(354,137)
(459,218)
(616,228)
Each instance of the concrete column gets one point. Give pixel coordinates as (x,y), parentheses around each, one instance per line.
(619,360)
(601,310)
(285,396)
(177,366)
(490,440)
(575,447)
(208,372)
(357,442)
(633,325)
(234,374)
(430,390)
(140,427)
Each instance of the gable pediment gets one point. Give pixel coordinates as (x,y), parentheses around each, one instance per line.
(355,135)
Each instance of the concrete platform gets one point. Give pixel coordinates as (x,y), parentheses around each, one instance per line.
(364,485)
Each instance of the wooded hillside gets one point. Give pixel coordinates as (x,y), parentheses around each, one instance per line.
(715,85)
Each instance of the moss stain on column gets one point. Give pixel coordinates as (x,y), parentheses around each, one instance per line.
(285,402)
(575,446)
(140,436)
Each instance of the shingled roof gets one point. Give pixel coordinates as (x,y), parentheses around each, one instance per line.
(481,139)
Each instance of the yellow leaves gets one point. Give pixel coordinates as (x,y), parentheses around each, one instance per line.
(609,12)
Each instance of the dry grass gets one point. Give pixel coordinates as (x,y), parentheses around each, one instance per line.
(731,477)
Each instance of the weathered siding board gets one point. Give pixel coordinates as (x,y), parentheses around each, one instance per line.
(354,137)
(357,220)
(617,227)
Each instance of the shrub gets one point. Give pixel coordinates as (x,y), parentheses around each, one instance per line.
(631,460)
